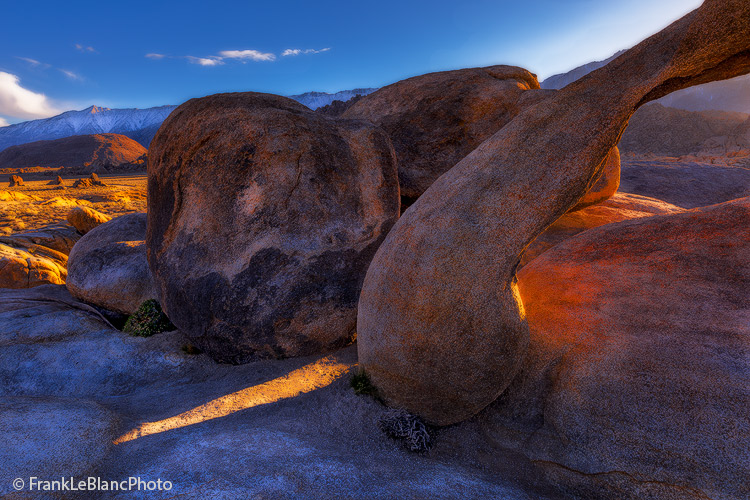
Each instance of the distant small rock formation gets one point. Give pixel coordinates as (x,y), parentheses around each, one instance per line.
(15,180)
(85,219)
(91,181)
(56,182)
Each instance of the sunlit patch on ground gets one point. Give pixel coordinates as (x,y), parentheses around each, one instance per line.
(306,379)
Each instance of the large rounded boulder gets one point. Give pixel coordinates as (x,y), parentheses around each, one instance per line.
(435,120)
(263,217)
(107,266)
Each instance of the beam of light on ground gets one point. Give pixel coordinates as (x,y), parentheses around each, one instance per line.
(306,379)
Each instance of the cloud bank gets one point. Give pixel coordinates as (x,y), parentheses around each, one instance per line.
(237,55)
(245,55)
(18,102)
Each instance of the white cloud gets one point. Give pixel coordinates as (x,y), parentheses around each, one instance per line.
(253,55)
(205,61)
(3,122)
(72,75)
(18,102)
(84,48)
(296,52)
(240,55)
(223,56)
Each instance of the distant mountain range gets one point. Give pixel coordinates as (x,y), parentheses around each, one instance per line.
(563,79)
(139,124)
(142,124)
(726,95)
(315,100)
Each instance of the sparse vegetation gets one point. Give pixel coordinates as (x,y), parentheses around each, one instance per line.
(409,429)
(148,320)
(362,386)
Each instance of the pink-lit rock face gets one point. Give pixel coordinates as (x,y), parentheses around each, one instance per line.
(638,352)
(622,206)
(262,219)
(441,328)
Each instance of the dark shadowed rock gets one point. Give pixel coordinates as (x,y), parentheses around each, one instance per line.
(672,132)
(15,181)
(441,327)
(262,219)
(435,120)
(606,185)
(686,183)
(636,379)
(108,266)
(57,182)
(84,219)
(45,314)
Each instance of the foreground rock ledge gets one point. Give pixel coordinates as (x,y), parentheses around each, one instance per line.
(262,219)
(441,327)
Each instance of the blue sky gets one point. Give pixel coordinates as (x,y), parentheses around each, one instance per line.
(59,55)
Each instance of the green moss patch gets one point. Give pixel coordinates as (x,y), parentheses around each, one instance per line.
(362,385)
(148,320)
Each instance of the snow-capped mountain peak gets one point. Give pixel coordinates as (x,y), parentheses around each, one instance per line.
(138,124)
